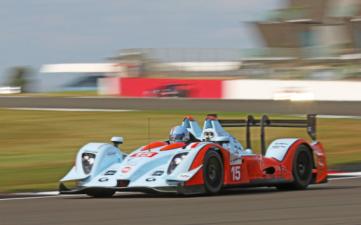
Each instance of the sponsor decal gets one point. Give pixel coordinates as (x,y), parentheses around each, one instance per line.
(103,179)
(236,161)
(184,176)
(111,153)
(143,154)
(110,172)
(126,169)
(280,145)
(150,179)
(158,173)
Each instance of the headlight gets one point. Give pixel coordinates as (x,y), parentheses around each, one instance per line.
(177,159)
(87,160)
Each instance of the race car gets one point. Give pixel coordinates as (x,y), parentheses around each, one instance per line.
(200,161)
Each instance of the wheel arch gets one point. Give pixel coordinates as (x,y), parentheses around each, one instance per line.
(284,149)
(197,179)
(292,150)
(288,160)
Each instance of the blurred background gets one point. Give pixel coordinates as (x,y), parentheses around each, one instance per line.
(264,52)
(72,45)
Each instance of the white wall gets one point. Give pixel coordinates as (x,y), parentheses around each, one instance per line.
(292,90)
(200,66)
(109,86)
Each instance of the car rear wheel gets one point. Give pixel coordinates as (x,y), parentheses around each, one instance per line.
(301,170)
(213,172)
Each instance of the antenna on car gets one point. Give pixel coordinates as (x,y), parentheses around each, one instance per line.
(249,123)
(148,131)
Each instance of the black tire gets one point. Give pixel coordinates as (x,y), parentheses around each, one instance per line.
(301,170)
(213,172)
(100,194)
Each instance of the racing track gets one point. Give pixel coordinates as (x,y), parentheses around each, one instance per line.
(255,106)
(338,202)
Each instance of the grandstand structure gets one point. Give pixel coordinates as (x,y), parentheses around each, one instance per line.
(306,40)
(314,28)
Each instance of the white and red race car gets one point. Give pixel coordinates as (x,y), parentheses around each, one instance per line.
(211,160)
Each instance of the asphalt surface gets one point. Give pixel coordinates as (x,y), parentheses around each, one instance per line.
(251,106)
(338,202)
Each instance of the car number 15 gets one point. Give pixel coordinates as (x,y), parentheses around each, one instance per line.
(236,173)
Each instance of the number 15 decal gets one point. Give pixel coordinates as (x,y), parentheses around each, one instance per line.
(236,173)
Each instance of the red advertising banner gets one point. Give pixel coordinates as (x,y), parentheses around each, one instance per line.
(165,87)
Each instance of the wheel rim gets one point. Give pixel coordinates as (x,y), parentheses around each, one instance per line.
(303,163)
(213,172)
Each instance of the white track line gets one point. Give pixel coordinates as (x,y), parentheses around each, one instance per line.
(51,194)
(343,178)
(56,193)
(38,193)
(30,197)
(73,109)
(338,117)
(344,175)
(358,174)
(331,116)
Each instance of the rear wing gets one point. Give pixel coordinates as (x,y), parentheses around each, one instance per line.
(309,123)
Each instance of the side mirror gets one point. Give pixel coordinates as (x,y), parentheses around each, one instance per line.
(117,141)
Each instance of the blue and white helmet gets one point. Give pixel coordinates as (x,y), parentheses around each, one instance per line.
(179,134)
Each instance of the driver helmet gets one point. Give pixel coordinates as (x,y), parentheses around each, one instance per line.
(208,134)
(179,134)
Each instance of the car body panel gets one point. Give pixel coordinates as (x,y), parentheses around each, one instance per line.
(278,148)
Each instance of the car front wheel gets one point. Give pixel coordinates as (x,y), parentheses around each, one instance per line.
(213,172)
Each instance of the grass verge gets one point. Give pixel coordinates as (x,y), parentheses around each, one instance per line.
(38,147)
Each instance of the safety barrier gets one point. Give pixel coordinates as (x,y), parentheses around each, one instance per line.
(294,90)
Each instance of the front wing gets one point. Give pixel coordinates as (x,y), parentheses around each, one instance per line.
(175,189)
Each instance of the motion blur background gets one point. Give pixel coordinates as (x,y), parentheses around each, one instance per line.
(68,45)
(303,51)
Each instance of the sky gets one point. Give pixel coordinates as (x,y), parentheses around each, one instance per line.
(36,32)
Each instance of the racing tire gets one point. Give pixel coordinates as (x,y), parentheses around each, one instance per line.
(100,194)
(213,172)
(301,170)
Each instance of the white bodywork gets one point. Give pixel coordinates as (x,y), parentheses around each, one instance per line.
(144,167)
(278,148)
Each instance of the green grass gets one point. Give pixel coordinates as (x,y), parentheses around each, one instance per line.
(38,147)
